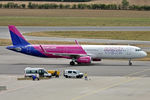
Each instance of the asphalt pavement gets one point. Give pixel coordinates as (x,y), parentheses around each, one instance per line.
(108,79)
(14,63)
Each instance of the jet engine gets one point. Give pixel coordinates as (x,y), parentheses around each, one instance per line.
(86,59)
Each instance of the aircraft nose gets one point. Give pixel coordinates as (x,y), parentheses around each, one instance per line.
(144,54)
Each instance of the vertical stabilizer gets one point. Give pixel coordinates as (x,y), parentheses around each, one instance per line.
(16,36)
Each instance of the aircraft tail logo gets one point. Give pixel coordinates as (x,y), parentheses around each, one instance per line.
(16,36)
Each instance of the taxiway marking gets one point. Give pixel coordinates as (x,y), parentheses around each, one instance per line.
(128,79)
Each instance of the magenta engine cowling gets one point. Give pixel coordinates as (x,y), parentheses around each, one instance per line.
(86,59)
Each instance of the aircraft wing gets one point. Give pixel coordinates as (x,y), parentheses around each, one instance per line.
(68,55)
(71,55)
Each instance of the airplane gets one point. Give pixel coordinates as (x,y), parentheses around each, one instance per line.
(77,53)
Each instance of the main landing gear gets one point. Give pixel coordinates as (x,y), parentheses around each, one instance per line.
(130,63)
(72,63)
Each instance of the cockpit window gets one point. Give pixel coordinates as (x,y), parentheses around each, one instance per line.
(138,49)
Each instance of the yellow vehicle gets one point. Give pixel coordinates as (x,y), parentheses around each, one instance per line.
(54,73)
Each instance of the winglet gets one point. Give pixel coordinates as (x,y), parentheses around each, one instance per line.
(77,43)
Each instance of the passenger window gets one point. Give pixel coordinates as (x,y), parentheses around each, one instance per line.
(41,71)
(28,71)
(69,71)
(34,71)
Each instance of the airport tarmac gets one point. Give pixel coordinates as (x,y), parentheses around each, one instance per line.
(97,88)
(108,79)
(17,62)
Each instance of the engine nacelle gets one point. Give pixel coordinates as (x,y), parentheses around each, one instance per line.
(96,59)
(86,59)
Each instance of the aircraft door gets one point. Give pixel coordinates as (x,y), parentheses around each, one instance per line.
(129,52)
(100,52)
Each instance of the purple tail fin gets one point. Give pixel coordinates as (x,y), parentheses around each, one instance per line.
(16,36)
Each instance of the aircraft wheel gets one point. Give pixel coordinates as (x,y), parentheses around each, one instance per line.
(130,63)
(78,63)
(72,63)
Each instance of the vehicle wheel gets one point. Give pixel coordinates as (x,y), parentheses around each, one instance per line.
(66,76)
(72,63)
(49,76)
(77,76)
(80,76)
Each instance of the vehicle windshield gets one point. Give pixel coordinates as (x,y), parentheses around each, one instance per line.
(45,72)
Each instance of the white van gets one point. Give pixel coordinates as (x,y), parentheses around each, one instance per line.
(69,73)
(29,72)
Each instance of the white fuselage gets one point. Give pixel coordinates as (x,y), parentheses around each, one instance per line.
(114,51)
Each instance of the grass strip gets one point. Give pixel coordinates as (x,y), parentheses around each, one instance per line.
(118,35)
(73,13)
(73,21)
(6,42)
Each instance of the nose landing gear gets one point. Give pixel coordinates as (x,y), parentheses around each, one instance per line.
(130,63)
